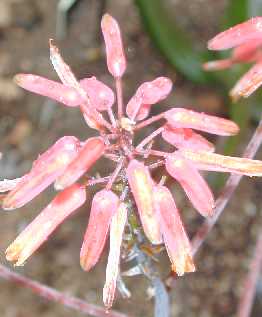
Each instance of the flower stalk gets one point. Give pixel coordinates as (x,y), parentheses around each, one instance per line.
(249,287)
(54,295)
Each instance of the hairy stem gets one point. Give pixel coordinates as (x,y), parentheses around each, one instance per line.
(114,175)
(149,138)
(149,121)
(156,164)
(112,117)
(94,181)
(148,152)
(249,289)
(56,296)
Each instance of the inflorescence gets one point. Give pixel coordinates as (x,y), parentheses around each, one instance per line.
(67,162)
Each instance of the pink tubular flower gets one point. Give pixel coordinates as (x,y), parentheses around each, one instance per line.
(237,35)
(175,237)
(117,228)
(147,94)
(116,61)
(46,169)
(250,82)
(91,151)
(220,163)
(104,205)
(183,118)
(141,185)
(100,95)
(38,231)
(49,88)
(192,182)
(186,138)
(246,39)
(129,186)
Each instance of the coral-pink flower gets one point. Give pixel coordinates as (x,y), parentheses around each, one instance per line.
(45,223)
(130,184)
(141,185)
(246,39)
(174,235)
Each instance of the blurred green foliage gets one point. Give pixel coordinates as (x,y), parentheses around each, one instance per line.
(172,40)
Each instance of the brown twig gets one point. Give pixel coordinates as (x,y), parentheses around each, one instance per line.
(249,289)
(226,193)
(56,296)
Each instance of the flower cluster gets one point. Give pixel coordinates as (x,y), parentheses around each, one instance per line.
(67,162)
(246,39)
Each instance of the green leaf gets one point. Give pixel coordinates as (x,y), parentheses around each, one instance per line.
(172,41)
(241,10)
(236,12)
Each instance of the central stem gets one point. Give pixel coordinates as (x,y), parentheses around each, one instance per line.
(119,96)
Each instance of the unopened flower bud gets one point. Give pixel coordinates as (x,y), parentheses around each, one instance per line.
(147,94)
(116,61)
